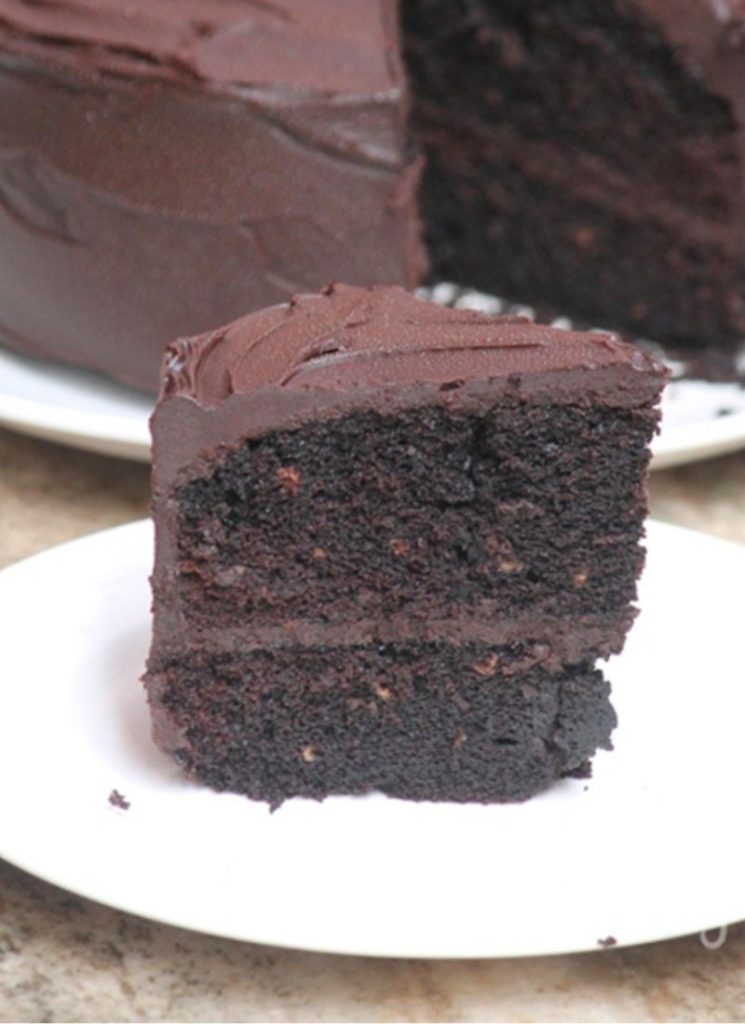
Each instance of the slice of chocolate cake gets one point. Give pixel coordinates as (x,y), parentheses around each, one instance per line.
(392,542)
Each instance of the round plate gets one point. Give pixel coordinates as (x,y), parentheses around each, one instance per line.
(651,847)
(59,403)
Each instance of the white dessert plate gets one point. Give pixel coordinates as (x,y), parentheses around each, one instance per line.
(651,847)
(76,408)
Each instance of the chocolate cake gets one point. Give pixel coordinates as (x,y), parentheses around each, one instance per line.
(166,166)
(392,542)
(588,156)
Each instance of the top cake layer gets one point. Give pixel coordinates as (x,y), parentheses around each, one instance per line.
(374,349)
(321,45)
(348,338)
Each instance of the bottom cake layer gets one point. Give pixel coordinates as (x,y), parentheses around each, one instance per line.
(419,720)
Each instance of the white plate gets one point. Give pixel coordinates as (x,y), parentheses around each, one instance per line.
(73,407)
(700,420)
(651,847)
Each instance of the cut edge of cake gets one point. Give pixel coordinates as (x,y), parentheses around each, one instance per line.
(381,558)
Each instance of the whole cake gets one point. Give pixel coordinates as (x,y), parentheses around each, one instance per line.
(165,166)
(392,542)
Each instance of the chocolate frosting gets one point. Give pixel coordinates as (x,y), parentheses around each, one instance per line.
(326,46)
(349,338)
(349,348)
(166,166)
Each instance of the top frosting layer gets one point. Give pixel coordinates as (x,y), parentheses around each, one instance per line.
(347,338)
(318,45)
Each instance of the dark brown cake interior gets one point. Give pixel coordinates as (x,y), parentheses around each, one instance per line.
(463,539)
(427,721)
(576,160)
(428,514)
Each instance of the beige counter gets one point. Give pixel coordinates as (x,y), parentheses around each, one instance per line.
(63,958)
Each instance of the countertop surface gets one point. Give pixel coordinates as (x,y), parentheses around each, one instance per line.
(63,958)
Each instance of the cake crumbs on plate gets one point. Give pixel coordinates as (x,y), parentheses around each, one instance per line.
(116,799)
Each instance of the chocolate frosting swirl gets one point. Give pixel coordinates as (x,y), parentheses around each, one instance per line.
(348,338)
(326,46)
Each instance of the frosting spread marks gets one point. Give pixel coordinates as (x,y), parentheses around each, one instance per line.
(321,46)
(346,338)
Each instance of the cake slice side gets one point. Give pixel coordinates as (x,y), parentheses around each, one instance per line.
(402,587)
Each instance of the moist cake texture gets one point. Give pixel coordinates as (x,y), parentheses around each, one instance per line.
(392,542)
(588,157)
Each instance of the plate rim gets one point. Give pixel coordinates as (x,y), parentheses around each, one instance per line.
(671,449)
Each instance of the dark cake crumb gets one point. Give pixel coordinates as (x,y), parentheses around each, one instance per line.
(608,942)
(116,799)
(505,209)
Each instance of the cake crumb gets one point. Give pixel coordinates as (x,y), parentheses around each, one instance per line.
(399,547)
(289,478)
(383,692)
(580,579)
(510,565)
(117,800)
(584,238)
(308,754)
(488,666)
(608,942)
(318,554)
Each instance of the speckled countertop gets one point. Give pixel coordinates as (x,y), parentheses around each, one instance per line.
(63,958)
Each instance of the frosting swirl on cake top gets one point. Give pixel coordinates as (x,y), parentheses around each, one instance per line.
(347,338)
(326,46)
